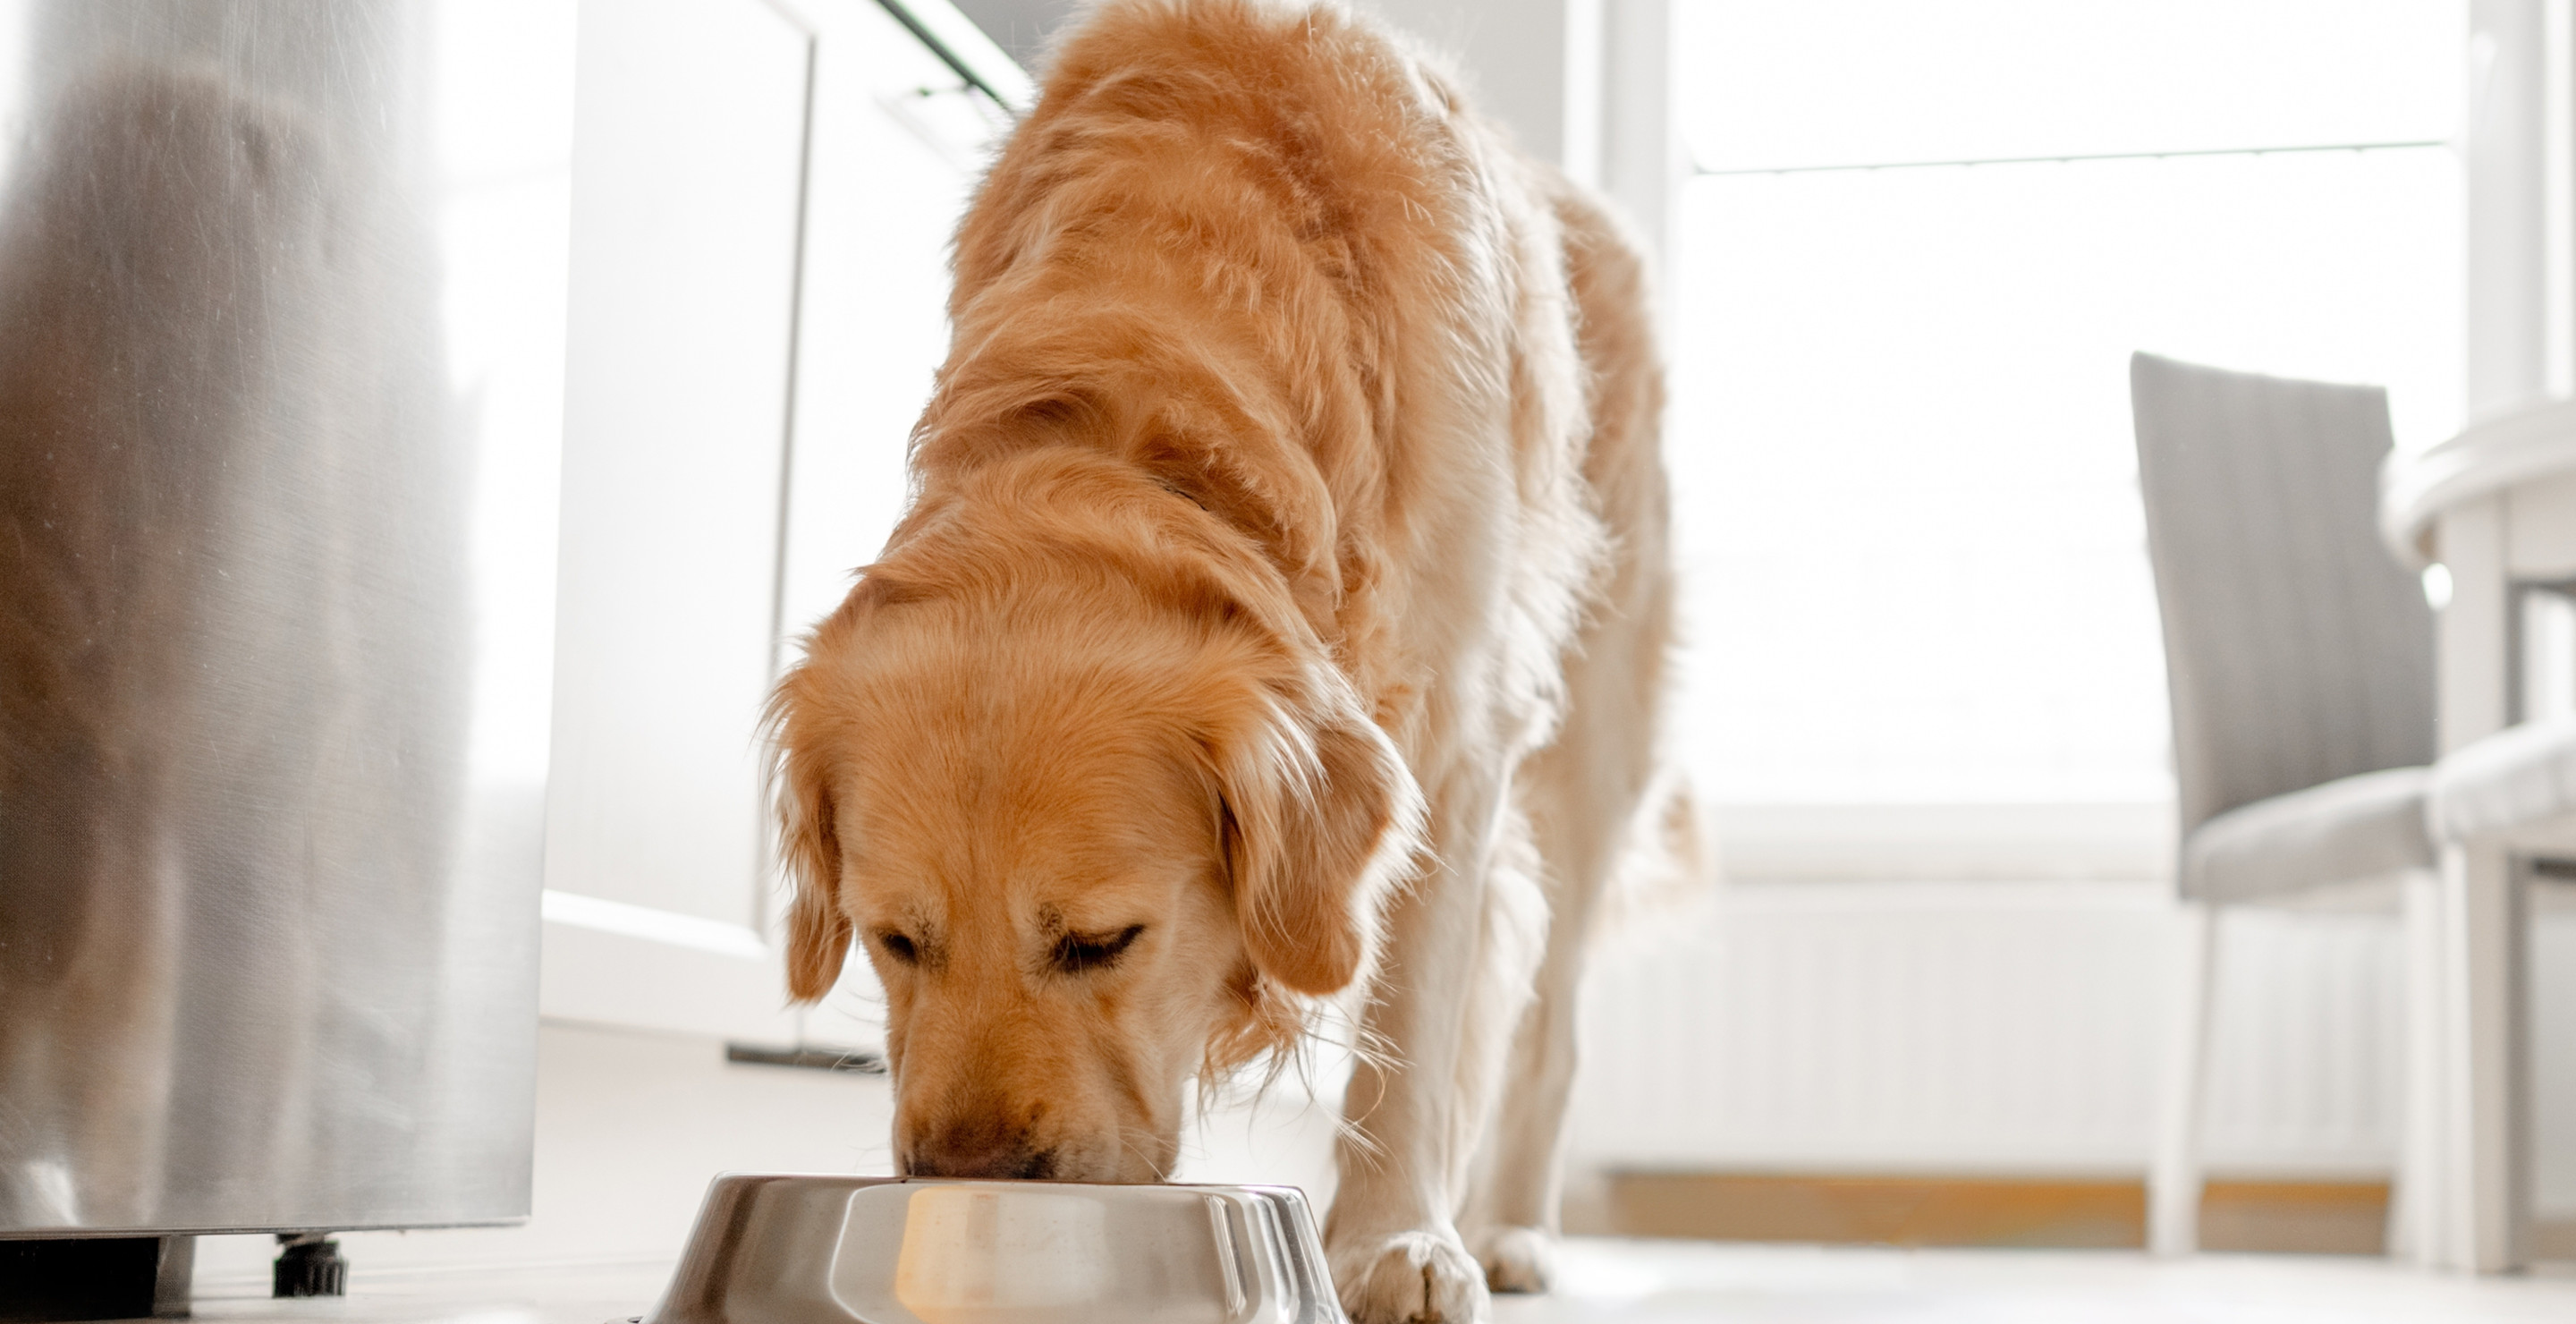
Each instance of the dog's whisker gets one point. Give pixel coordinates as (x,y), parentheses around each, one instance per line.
(1128,1145)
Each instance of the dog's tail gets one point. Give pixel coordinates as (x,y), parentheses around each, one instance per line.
(1668,877)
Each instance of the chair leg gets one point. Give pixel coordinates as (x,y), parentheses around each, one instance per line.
(2415,1222)
(2482,1105)
(2173,1185)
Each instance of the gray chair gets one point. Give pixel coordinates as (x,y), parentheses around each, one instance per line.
(2300,662)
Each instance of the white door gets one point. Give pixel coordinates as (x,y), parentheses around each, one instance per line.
(762,196)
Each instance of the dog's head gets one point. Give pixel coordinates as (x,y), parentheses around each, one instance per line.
(1097,805)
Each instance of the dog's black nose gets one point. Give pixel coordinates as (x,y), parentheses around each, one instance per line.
(979,1151)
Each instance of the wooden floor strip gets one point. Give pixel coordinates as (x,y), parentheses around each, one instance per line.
(2296,1217)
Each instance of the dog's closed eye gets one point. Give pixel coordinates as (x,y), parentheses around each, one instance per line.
(1081,953)
(899,947)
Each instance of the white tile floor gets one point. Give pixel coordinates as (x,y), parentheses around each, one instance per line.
(1633,1282)
(1655,1282)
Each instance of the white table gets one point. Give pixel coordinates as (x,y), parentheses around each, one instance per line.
(2496,507)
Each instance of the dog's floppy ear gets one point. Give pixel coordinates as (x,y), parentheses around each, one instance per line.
(1322,818)
(818,931)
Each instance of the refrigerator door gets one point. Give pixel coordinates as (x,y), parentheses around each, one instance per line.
(281,348)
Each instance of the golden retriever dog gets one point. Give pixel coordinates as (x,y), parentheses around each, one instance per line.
(1281,614)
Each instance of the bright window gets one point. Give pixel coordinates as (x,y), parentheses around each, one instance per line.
(1906,484)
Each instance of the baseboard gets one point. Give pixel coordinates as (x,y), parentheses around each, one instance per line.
(2313,1218)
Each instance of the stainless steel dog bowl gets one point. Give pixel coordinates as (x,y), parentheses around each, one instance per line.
(873,1250)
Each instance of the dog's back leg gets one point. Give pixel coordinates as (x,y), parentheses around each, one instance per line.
(1597,795)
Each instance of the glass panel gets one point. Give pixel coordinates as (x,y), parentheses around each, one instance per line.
(1823,82)
(1902,446)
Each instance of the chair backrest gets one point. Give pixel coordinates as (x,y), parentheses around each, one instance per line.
(2297,651)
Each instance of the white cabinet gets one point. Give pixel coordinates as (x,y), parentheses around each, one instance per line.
(762,198)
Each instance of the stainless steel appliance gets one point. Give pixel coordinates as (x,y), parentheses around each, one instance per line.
(281,321)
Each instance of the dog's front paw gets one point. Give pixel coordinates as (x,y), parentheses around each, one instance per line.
(1410,1278)
(1516,1259)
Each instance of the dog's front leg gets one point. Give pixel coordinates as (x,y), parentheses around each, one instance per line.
(1461,944)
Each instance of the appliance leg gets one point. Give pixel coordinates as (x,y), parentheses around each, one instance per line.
(174,1277)
(309,1264)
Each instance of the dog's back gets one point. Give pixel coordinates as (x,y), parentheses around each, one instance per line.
(1266,253)
(1261,256)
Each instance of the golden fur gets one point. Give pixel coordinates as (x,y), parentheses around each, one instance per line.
(1281,611)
